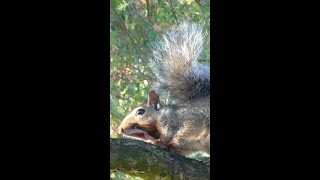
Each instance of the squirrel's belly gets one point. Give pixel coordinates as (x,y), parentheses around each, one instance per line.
(199,144)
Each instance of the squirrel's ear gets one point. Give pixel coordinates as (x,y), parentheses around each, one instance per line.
(153,100)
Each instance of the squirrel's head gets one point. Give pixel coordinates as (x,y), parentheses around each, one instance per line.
(141,123)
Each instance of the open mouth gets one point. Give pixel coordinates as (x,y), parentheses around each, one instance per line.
(141,133)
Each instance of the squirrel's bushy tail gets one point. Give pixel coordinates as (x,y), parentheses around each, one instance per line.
(175,63)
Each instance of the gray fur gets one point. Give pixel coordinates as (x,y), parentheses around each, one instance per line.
(175,63)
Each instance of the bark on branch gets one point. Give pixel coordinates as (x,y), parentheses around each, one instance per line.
(147,161)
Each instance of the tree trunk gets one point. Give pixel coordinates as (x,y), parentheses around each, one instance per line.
(138,158)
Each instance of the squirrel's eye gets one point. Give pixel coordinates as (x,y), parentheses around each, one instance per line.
(140,111)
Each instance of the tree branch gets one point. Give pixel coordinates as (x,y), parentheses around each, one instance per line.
(138,158)
(156,27)
(200,4)
(172,10)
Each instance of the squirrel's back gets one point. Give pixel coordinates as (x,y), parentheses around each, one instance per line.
(175,63)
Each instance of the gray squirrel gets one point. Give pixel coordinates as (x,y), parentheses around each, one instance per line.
(183,126)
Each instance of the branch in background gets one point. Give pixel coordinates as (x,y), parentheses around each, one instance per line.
(143,20)
(156,27)
(124,25)
(173,13)
(156,10)
(200,4)
(148,13)
(147,161)
(125,28)
(137,12)
(144,75)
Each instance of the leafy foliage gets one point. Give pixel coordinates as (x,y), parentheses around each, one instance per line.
(134,26)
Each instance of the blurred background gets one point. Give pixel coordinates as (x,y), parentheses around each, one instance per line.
(134,26)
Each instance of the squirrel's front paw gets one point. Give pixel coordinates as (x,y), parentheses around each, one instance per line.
(160,144)
(151,141)
(205,160)
(156,142)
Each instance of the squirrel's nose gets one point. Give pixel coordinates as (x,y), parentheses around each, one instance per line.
(120,130)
